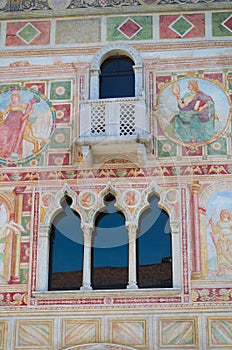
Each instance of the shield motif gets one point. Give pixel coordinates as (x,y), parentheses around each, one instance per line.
(149,2)
(59,4)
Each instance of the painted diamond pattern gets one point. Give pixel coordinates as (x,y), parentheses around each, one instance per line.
(129,28)
(181,26)
(228,23)
(28,33)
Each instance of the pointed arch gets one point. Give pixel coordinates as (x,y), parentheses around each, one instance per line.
(119,204)
(54,211)
(56,206)
(155,189)
(166,206)
(110,244)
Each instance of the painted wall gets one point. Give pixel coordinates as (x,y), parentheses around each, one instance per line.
(45,68)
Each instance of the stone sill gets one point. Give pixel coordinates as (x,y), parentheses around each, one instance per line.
(149,292)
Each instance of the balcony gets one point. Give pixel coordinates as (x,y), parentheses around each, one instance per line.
(114,127)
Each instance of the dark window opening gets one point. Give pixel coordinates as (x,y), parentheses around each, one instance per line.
(154,248)
(110,248)
(66,250)
(117,78)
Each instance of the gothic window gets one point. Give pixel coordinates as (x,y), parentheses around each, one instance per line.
(110,248)
(117,77)
(66,250)
(154,253)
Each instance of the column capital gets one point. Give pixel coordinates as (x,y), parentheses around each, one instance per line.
(132,225)
(95,71)
(137,68)
(195,187)
(87,229)
(19,190)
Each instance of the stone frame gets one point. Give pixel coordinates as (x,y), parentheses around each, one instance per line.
(106,52)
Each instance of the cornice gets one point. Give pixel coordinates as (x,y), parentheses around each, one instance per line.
(91,50)
(120,10)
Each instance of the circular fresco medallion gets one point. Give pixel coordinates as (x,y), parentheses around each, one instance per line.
(26,123)
(193,111)
(131,197)
(87,199)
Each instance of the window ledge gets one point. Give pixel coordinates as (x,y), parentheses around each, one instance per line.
(148,292)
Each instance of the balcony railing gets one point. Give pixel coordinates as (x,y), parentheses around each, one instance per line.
(113,117)
(114,126)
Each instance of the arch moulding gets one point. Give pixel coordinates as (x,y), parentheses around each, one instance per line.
(111,50)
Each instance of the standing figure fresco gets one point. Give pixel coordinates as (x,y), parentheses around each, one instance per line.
(219,229)
(223,243)
(193,112)
(10,235)
(15,127)
(25,123)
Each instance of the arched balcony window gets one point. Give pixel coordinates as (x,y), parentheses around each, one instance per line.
(117,78)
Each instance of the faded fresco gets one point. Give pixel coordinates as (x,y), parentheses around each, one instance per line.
(219,235)
(10,242)
(193,111)
(26,121)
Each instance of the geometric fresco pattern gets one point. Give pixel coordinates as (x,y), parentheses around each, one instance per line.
(34,334)
(28,33)
(220,330)
(136,28)
(183,26)
(222,24)
(3,335)
(179,333)
(129,332)
(129,28)
(80,331)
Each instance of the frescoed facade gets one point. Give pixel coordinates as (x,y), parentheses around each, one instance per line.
(153,163)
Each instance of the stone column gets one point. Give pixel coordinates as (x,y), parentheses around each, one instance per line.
(132,235)
(196,236)
(43,258)
(87,230)
(138,81)
(94,84)
(16,242)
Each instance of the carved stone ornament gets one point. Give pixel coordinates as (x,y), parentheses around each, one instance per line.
(59,4)
(33,5)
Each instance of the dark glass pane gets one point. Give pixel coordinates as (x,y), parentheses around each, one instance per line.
(66,250)
(117,78)
(110,249)
(154,248)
